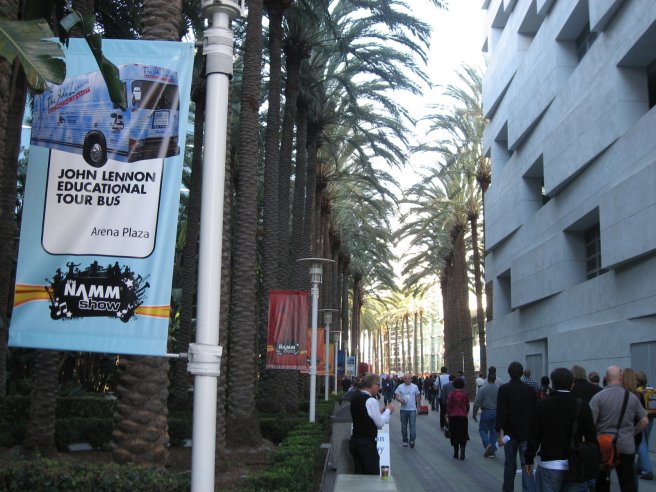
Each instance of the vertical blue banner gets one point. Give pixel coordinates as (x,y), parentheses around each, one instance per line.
(100,212)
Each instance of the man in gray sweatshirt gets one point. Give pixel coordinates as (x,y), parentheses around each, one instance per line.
(486,401)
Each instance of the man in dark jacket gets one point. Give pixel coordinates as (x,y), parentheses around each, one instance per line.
(515,404)
(367,417)
(582,387)
(551,430)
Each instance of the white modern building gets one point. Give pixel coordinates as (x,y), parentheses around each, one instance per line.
(570,216)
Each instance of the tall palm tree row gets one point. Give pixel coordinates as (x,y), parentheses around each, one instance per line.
(442,219)
(341,124)
(339,120)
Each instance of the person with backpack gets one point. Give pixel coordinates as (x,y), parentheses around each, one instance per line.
(551,435)
(441,380)
(618,412)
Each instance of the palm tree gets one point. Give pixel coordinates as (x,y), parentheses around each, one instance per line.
(40,434)
(140,422)
(462,152)
(242,423)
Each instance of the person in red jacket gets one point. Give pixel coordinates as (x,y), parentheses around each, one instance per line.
(457,408)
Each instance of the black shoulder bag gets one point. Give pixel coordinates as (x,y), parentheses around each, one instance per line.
(583,456)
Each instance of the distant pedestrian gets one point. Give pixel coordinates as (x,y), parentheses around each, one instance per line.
(457,410)
(545,388)
(409,395)
(387,389)
(486,401)
(367,417)
(594,378)
(644,466)
(582,388)
(515,404)
(527,379)
(480,381)
(346,382)
(441,381)
(444,397)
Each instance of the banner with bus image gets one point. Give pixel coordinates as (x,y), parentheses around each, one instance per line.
(101,203)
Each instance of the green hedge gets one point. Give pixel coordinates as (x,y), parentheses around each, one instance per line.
(50,475)
(276,427)
(83,419)
(15,408)
(295,461)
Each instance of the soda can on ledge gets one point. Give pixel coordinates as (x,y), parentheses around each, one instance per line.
(384,472)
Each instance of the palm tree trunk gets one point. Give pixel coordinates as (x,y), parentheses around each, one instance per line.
(293,64)
(298,207)
(224,315)
(403,344)
(415,333)
(478,286)
(12,97)
(242,423)
(464,315)
(355,316)
(272,394)
(346,339)
(140,431)
(180,397)
(40,434)
(140,420)
(421,340)
(389,348)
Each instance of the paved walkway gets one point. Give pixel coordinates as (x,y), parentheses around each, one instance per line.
(430,466)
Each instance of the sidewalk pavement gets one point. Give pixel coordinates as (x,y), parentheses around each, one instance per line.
(429,466)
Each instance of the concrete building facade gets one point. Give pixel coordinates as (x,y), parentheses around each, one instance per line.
(570,216)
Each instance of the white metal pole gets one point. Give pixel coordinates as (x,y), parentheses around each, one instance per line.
(313,352)
(205,354)
(327,364)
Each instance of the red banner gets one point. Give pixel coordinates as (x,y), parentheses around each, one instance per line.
(288,319)
(321,353)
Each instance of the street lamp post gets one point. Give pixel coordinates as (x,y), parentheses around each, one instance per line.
(327,320)
(337,347)
(316,277)
(204,356)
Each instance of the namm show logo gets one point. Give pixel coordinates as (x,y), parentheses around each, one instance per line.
(114,292)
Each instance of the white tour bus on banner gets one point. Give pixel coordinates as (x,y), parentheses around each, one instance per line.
(79,116)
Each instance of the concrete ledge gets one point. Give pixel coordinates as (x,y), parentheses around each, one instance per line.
(364,483)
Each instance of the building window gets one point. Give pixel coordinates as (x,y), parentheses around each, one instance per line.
(534,180)
(584,40)
(593,252)
(651,83)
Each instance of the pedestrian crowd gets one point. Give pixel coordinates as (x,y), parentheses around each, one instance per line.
(580,431)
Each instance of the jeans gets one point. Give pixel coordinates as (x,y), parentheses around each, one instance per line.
(625,475)
(408,418)
(510,467)
(487,429)
(644,463)
(388,396)
(548,480)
